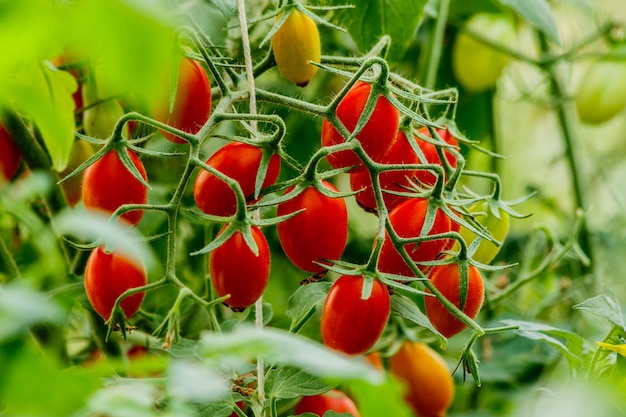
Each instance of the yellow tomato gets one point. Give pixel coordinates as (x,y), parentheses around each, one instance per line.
(497,227)
(297,42)
(476,65)
(428,381)
(602,92)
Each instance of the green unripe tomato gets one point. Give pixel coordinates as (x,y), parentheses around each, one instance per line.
(602,92)
(476,65)
(497,227)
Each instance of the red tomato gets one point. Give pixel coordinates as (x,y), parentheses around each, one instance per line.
(10,157)
(319,232)
(446,279)
(109,275)
(431,154)
(192,104)
(237,271)
(376,136)
(239,161)
(333,400)
(429,387)
(350,324)
(107,185)
(407,220)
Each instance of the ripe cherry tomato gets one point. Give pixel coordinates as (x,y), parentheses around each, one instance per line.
(319,232)
(237,271)
(476,65)
(407,220)
(109,275)
(602,90)
(497,227)
(192,104)
(107,185)
(333,400)
(350,324)
(377,135)
(81,151)
(446,279)
(429,387)
(10,157)
(297,42)
(239,161)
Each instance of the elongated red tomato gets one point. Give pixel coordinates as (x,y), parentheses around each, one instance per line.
(429,387)
(109,275)
(237,271)
(240,161)
(10,157)
(350,324)
(192,103)
(377,135)
(407,220)
(319,232)
(446,279)
(333,400)
(107,185)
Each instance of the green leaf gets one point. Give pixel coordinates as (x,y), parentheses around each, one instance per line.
(606,306)
(127,398)
(305,299)
(45,95)
(368,21)
(538,14)
(226,7)
(404,307)
(21,307)
(287,382)
(571,345)
(281,348)
(379,400)
(193,382)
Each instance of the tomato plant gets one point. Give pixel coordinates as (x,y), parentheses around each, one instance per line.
(476,65)
(81,151)
(10,157)
(319,232)
(333,400)
(600,96)
(295,44)
(238,271)
(446,278)
(192,104)
(240,161)
(429,387)
(349,323)
(376,136)
(109,275)
(108,184)
(495,221)
(407,220)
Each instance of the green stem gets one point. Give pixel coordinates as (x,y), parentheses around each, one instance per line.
(9,262)
(435,46)
(567,122)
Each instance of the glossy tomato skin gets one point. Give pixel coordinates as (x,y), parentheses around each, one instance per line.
(297,42)
(476,65)
(377,135)
(236,270)
(10,157)
(239,161)
(602,90)
(429,387)
(446,279)
(350,324)
(109,275)
(192,104)
(407,220)
(107,185)
(333,400)
(319,232)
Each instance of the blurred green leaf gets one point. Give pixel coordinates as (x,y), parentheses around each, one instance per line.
(226,7)
(538,13)
(379,400)
(367,22)
(22,307)
(287,382)
(606,306)
(193,382)
(125,399)
(279,347)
